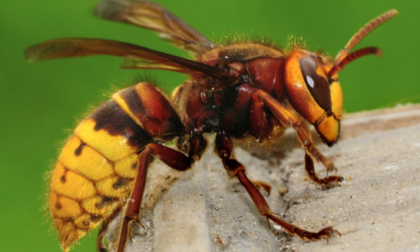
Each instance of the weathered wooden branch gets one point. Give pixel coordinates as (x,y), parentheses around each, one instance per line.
(377,208)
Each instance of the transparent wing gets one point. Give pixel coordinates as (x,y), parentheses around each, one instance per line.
(154,17)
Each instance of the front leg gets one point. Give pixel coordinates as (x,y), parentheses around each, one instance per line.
(287,118)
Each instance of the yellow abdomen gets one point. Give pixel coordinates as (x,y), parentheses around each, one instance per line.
(96,169)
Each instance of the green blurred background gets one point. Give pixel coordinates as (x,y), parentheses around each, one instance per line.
(42,102)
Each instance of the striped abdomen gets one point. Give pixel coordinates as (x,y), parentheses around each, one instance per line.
(95,171)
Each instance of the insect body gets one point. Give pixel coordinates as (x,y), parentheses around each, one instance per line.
(233,91)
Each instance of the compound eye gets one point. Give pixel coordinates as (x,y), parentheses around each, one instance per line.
(318,85)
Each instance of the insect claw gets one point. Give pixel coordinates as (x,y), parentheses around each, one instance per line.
(131,226)
(138,222)
(129,231)
(336,232)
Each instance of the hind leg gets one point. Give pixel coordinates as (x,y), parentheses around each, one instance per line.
(172,158)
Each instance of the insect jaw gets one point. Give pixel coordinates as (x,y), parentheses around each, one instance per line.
(328,127)
(329,130)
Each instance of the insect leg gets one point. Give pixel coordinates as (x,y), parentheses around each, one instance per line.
(224,149)
(288,119)
(172,158)
(310,170)
(197,146)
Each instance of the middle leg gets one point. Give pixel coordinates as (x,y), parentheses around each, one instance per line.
(224,149)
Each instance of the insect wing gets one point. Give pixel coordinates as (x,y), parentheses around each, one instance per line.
(137,56)
(154,17)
